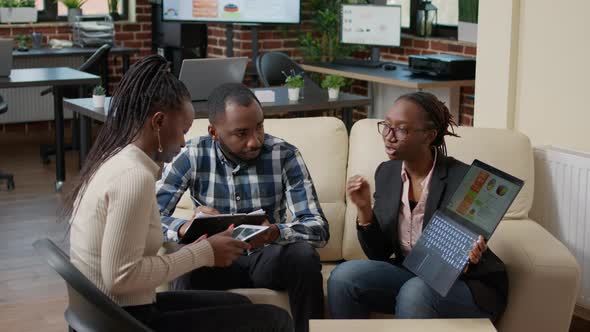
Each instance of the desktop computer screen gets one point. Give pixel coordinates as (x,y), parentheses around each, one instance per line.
(371,25)
(232,11)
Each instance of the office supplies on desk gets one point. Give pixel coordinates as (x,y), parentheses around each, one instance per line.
(265,96)
(442,66)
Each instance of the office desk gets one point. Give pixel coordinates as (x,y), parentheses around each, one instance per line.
(124,52)
(387,85)
(84,52)
(313,100)
(55,77)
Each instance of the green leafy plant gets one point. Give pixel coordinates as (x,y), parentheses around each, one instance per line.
(27,3)
(73,3)
(325,45)
(22,41)
(113,6)
(333,82)
(17,3)
(468,10)
(294,80)
(98,91)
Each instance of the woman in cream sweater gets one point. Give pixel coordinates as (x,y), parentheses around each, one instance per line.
(115,224)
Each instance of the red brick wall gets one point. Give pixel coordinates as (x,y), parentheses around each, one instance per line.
(411,45)
(131,34)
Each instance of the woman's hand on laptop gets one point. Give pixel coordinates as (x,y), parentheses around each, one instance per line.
(479,247)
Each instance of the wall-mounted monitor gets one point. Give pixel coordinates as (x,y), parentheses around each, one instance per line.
(232,11)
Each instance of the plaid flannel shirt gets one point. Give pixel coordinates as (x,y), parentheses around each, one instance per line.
(278,179)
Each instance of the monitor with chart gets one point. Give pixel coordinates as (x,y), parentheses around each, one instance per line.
(371,25)
(232,11)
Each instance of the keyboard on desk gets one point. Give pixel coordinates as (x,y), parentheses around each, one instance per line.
(358,63)
(448,241)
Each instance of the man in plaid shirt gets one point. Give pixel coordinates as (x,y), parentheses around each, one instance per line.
(239,169)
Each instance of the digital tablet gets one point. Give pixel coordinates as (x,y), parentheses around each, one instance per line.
(246,232)
(214,224)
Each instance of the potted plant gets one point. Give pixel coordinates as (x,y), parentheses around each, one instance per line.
(22,42)
(74,8)
(98,96)
(333,83)
(114,9)
(294,82)
(467,27)
(17,11)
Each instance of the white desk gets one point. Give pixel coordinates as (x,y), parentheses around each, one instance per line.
(387,85)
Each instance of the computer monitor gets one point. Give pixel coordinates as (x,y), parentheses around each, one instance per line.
(371,25)
(232,11)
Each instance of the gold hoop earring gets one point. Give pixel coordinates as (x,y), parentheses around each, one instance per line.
(160,148)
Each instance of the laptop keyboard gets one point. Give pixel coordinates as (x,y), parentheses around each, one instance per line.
(449,241)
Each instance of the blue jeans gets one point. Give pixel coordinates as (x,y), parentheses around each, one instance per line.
(356,288)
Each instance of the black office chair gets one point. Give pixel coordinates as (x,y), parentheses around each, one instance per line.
(271,66)
(93,66)
(9,178)
(88,309)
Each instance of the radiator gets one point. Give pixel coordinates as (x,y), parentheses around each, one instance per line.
(561,204)
(26,104)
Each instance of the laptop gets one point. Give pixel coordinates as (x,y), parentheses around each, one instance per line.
(5,57)
(201,76)
(476,208)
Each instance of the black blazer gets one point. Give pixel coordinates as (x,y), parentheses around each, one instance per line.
(487,280)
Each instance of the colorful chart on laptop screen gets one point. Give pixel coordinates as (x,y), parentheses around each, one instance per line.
(483,198)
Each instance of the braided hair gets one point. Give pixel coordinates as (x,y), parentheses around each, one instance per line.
(437,117)
(147,87)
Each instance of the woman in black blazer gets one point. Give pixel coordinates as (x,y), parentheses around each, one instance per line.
(417,180)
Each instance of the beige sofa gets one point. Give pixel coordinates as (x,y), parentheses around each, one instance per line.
(544,277)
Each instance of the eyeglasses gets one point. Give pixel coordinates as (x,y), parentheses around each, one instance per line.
(400,133)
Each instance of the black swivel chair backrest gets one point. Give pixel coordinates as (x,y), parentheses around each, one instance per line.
(95,59)
(89,66)
(271,66)
(88,309)
(3,105)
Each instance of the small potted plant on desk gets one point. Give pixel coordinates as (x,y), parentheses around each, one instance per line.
(74,8)
(114,9)
(98,96)
(333,83)
(294,82)
(22,42)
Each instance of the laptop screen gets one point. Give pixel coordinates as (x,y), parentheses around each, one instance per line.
(484,196)
(201,76)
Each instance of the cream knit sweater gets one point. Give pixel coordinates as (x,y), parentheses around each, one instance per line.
(116,232)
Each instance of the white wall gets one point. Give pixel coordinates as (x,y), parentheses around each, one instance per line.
(496,62)
(546,92)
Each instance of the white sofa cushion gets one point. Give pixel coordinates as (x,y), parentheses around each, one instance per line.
(323,143)
(504,149)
